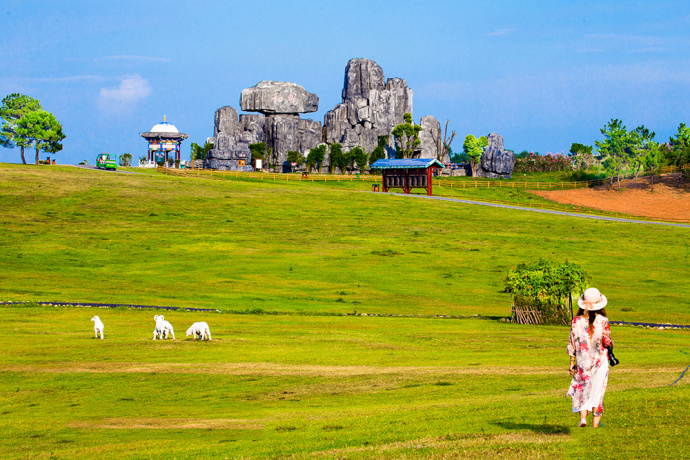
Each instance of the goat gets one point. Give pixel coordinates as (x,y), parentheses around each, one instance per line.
(201,329)
(163,328)
(97,326)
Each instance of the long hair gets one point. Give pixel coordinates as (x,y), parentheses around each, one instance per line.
(592,314)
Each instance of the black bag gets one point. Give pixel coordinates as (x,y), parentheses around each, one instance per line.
(613,361)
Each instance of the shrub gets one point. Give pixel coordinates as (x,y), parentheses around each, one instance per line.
(542,291)
(543,163)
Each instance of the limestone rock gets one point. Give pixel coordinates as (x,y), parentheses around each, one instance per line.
(276,97)
(290,132)
(430,131)
(229,154)
(371,107)
(361,76)
(226,121)
(496,162)
(252,127)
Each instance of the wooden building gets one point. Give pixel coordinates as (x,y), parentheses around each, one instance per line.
(407,173)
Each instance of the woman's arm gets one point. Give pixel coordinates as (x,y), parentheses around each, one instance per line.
(606,335)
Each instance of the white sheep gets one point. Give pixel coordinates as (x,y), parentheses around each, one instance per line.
(163,328)
(201,329)
(97,326)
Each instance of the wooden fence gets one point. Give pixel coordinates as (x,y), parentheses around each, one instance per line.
(217,174)
(438,181)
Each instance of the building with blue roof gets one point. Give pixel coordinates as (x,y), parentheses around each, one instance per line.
(408,173)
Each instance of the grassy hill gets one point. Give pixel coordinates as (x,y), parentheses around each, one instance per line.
(301,385)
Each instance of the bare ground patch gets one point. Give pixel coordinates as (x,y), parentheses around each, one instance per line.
(669,200)
(137,423)
(296,370)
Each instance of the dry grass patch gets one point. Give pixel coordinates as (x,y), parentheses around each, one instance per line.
(133,423)
(502,446)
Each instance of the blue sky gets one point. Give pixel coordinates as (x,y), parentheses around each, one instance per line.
(543,74)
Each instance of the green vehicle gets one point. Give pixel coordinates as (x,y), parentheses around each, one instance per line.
(106,161)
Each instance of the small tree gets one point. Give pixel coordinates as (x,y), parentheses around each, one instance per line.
(474,148)
(126,159)
(679,153)
(407,136)
(616,148)
(338,159)
(442,145)
(359,157)
(198,152)
(315,157)
(294,156)
(379,151)
(542,291)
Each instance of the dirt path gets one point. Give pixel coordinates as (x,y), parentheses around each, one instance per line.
(670,199)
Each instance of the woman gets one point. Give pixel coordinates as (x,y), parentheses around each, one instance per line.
(589,336)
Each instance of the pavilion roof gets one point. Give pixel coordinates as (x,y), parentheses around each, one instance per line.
(164,136)
(407,163)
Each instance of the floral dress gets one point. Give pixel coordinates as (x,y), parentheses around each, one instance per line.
(592,372)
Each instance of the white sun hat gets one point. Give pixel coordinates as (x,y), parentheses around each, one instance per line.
(592,300)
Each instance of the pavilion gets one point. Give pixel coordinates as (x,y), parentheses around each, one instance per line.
(164,144)
(407,173)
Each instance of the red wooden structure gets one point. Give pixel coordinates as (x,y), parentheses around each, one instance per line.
(407,173)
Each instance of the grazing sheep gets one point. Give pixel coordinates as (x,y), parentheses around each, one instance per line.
(97,326)
(163,327)
(201,329)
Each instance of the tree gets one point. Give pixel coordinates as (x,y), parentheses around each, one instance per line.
(407,136)
(42,130)
(339,159)
(642,141)
(359,157)
(315,157)
(474,148)
(679,152)
(615,149)
(581,155)
(294,156)
(14,107)
(379,152)
(198,152)
(442,145)
(126,159)
(651,161)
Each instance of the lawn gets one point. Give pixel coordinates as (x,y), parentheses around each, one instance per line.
(308,381)
(277,386)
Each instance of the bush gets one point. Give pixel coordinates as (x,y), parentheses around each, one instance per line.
(544,289)
(543,163)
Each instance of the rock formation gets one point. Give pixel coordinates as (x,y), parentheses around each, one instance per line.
(430,133)
(371,107)
(496,162)
(229,154)
(279,124)
(277,97)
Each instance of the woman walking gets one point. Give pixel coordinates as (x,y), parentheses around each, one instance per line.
(590,335)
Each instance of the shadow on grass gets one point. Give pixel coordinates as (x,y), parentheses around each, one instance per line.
(534,427)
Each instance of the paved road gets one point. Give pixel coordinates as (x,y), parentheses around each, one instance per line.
(546,211)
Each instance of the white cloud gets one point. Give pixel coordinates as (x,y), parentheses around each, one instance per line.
(132,89)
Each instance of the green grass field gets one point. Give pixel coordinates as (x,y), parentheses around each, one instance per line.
(305,381)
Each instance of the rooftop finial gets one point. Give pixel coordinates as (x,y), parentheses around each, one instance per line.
(163,118)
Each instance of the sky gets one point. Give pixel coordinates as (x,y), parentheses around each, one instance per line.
(542,74)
